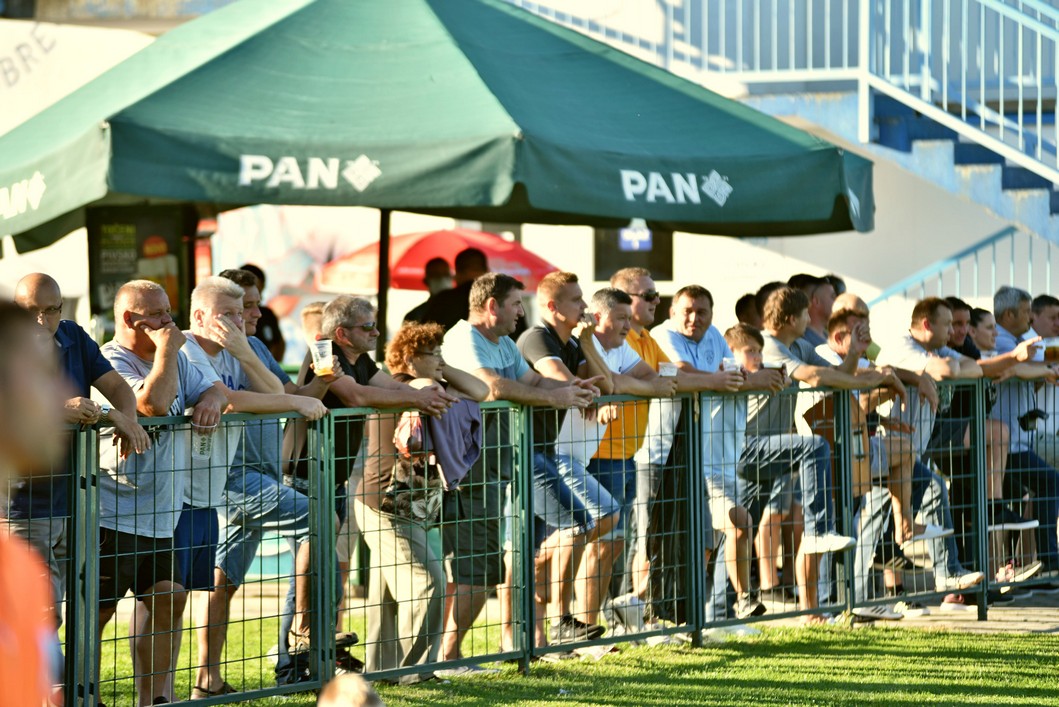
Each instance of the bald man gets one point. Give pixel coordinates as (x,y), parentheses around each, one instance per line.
(37,509)
(140,496)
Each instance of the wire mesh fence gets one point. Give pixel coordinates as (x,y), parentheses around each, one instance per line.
(277,552)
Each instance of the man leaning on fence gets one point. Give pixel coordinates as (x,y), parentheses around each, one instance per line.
(38,508)
(140,496)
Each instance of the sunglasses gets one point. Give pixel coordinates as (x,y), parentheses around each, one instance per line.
(366,326)
(647,295)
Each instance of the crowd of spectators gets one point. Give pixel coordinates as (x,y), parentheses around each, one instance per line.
(183,507)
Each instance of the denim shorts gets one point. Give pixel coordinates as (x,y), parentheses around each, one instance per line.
(566,496)
(256,503)
(618,477)
(195,547)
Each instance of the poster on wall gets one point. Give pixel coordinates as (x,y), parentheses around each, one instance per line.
(140,242)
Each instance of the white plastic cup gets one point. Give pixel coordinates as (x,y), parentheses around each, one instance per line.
(322,357)
(730,363)
(667,369)
(202,441)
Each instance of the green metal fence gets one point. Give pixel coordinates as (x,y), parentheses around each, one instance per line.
(666,575)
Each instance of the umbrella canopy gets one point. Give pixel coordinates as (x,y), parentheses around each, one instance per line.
(464,108)
(359,271)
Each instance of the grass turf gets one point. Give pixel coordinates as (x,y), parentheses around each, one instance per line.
(783,666)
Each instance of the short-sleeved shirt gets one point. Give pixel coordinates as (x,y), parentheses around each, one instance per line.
(262,440)
(621,360)
(724,424)
(905,352)
(83,363)
(204,487)
(468,349)
(813,339)
(144,493)
(1014,397)
(774,414)
(349,431)
(538,344)
(622,443)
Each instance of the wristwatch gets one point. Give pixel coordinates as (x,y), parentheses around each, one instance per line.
(104,412)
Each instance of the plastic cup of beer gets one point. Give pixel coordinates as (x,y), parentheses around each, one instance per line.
(202,441)
(1051,349)
(667,369)
(322,353)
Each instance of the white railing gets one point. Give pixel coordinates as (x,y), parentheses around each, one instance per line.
(987,69)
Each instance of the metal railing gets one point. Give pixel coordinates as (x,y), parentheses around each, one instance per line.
(672,577)
(986,69)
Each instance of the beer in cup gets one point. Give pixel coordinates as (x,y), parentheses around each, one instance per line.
(1051,349)
(322,357)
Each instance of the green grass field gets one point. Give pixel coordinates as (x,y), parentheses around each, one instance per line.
(783,666)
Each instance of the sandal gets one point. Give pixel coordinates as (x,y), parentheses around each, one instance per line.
(202,693)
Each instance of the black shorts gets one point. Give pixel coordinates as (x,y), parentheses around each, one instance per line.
(472,515)
(132,562)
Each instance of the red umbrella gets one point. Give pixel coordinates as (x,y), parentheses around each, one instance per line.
(359,271)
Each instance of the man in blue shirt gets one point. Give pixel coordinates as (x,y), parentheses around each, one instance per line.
(37,510)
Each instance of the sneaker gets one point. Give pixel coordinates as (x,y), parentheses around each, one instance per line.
(911,609)
(1003,518)
(828,542)
(930,532)
(345,662)
(957,603)
(570,629)
(465,671)
(961,580)
(777,599)
(878,612)
(628,608)
(747,605)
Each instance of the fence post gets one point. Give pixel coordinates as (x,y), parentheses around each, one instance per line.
(82,587)
(698,586)
(320,444)
(845,446)
(981,503)
(523,594)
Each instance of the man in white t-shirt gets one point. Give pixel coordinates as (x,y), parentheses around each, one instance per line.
(612,310)
(690,340)
(217,345)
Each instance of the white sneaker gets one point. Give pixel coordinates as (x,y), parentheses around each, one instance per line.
(931,532)
(961,580)
(956,603)
(882,612)
(828,542)
(629,610)
(911,609)
(465,671)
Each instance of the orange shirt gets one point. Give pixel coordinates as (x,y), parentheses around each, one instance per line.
(624,436)
(26,625)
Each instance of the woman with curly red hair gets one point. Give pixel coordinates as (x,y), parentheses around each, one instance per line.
(411,461)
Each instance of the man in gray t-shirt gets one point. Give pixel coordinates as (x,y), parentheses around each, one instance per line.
(140,495)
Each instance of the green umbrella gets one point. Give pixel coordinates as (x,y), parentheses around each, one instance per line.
(470,108)
(466,108)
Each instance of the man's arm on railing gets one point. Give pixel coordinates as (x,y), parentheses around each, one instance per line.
(691,379)
(384,392)
(465,383)
(123,416)
(997,366)
(643,380)
(534,389)
(262,403)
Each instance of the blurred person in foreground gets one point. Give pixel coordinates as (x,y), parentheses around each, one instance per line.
(31,404)
(37,510)
(349,691)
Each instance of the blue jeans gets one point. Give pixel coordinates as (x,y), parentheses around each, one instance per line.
(1027,469)
(566,497)
(929,497)
(767,457)
(618,477)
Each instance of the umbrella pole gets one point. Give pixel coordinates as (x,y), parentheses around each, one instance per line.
(384,282)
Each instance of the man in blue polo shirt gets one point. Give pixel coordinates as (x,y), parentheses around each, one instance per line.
(37,509)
